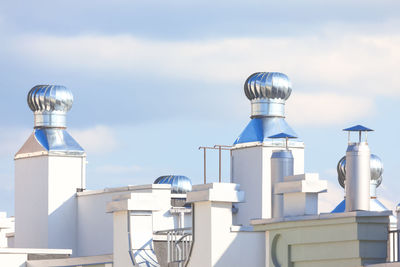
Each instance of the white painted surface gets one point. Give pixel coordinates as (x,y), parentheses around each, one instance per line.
(95,234)
(65,176)
(45,201)
(121,240)
(136,216)
(11,240)
(17,257)
(94,219)
(300,193)
(251,168)
(7,227)
(297,204)
(216,242)
(31,202)
(13,260)
(103,260)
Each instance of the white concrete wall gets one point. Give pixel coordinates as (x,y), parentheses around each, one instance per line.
(65,176)
(13,260)
(247,170)
(31,202)
(215,244)
(45,201)
(251,168)
(93,218)
(216,241)
(121,244)
(95,226)
(7,227)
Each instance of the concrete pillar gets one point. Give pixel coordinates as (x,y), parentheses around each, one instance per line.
(215,241)
(136,216)
(300,194)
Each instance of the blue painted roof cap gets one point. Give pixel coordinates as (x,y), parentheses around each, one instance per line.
(282,135)
(258,130)
(358,128)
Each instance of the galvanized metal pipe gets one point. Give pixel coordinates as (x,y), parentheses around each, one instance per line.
(358,176)
(282,165)
(205,168)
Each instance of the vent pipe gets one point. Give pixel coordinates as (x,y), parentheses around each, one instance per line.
(376,173)
(282,165)
(358,171)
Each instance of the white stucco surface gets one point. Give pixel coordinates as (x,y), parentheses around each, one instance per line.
(45,201)
(216,242)
(31,207)
(251,168)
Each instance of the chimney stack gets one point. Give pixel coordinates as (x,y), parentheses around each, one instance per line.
(282,164)
(358,171)
(49,169)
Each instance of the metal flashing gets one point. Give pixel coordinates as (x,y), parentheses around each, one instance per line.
(50,141)
(260,130)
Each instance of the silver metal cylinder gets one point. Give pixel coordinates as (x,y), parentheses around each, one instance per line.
(265,107)
(372,189)
(281,166)
(50,119)
(358,176)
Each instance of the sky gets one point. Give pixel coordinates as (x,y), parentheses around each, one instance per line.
(154,80)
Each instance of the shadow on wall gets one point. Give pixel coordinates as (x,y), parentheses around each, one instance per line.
(62,226)
(145,256)
(245,249)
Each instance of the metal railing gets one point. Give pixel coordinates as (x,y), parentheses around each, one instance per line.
(219,148)
(393,246)
(179,244)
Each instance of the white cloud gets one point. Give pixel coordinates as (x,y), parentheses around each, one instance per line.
(97,140)
(327,108)
(340,61)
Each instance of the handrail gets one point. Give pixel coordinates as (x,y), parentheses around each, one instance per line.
(172,230)
(179,244)
(220,148)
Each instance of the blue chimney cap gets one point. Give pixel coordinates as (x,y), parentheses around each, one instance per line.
(282,135)
(358,128)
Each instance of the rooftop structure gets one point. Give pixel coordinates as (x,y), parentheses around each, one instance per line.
(267,215)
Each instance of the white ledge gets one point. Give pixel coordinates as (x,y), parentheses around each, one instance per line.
(323,216)
(35,251)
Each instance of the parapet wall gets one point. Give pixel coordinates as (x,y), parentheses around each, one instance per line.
(329,240)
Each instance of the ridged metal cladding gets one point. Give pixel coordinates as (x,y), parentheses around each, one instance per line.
(272,85)
(376,170)
(268,92)
(50,103)
(179,184)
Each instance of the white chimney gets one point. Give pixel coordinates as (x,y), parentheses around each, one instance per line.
(358,172)
(49,169)
(252,150)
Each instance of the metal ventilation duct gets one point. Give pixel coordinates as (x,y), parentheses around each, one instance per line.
(50,104)
(267,92)
(358,172)
(376,167)
(282,165)
(179,184)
